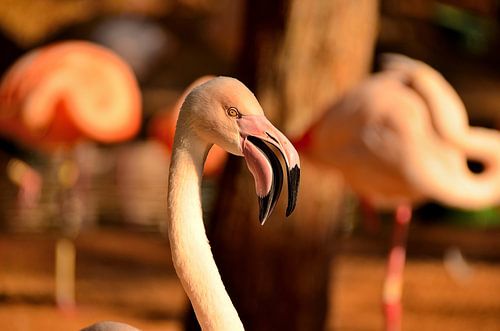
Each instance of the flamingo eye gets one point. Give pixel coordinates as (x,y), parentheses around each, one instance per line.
(233,112)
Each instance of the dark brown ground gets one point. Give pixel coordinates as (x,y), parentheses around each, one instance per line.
(127,276)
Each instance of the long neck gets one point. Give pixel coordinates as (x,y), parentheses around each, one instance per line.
(445,177)
(191,252)
(447,110)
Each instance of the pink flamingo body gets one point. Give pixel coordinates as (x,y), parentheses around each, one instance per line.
(54,97)
(59,94)
(401,138)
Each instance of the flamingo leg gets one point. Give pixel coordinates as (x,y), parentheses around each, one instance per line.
(393,282)
(65,274)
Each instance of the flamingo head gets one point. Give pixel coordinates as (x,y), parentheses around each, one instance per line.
(225,112)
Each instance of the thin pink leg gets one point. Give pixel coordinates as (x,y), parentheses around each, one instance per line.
(395,266)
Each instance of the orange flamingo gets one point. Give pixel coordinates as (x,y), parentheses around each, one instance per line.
(58,95)
(61,93)
(400,138)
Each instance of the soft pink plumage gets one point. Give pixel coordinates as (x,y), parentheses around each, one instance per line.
(400,138)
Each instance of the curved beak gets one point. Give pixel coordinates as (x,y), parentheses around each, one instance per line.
(257,132)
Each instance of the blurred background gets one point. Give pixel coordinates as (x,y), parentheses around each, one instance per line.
(82,218)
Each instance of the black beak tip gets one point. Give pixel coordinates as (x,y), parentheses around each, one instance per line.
(293,189)
(264,208)
(268,202)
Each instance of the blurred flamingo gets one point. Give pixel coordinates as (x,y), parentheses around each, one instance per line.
(162,129)
(400,138)
(58,95)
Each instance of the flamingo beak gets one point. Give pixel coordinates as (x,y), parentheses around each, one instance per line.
(257,134)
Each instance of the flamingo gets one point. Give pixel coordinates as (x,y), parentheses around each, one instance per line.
(58,95)
(221,111)
(400,138)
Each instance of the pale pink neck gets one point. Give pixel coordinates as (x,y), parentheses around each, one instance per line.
(191,252)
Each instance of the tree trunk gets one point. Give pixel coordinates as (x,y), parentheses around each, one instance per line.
(298,56)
